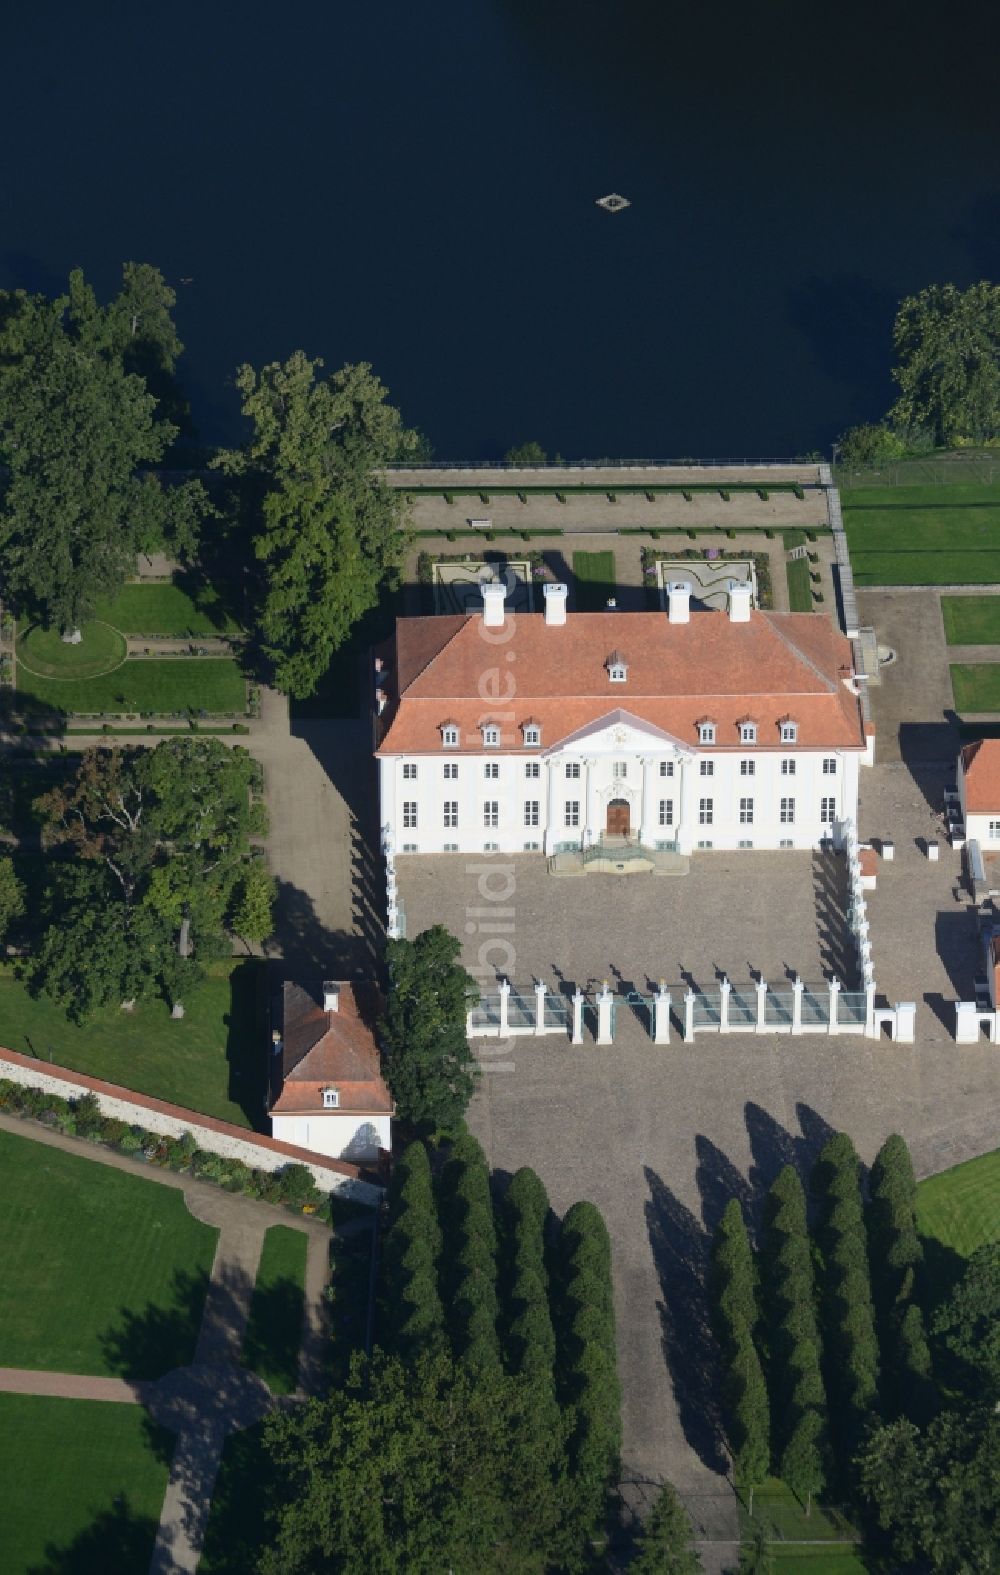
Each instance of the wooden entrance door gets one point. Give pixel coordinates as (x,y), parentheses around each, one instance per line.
(618,818)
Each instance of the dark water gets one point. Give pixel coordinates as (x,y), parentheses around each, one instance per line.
(415,185)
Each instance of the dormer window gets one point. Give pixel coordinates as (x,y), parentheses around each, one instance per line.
(449,735)
(706,732)
(789,730)
(491,735)
(331,1099)
(532,734)
(617,667)
(748,731)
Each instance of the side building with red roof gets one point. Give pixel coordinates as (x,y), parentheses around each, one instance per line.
(688,730)
(326,1090)
(979,791)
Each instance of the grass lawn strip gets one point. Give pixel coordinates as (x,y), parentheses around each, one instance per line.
(104,1272)
(80,1475)
(927,497)
(274,1331)
(167,610)
(237,1527)
(976,686)
(971,620)
(594,573)
(165,685)
(211,1061)
(45,654)
(960,1208)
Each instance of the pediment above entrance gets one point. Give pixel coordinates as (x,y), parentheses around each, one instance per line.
(620,732)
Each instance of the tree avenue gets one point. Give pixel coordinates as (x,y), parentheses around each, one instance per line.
(78,433)
(326,527)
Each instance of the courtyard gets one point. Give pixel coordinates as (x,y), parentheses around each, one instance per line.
(772,914)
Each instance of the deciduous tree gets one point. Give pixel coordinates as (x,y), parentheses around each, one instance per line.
(429,1066)
(970,1322)
(11,896)
(947,344)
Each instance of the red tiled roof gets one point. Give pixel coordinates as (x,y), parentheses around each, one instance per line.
(323,1049)
(787,665)
(981,768)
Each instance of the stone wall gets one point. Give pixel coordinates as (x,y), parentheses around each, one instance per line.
(217,1137)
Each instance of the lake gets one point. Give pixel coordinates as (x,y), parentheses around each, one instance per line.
(416,186)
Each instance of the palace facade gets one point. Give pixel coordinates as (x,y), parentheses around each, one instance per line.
(683,730)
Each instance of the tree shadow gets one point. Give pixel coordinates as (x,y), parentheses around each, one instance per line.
(309,949)
(274,1333)
(119,1539)
(248,1484)
(145,1345)
(680,1248)
(836,947)
(247,1041)
(21,713)
(772,1147)
(959,945)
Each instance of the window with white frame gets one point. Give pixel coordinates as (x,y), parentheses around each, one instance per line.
(571,815)
(491,770)
(409,814)
(532,733)
(532,847)
(409,770)
(744,842)
(787,812)
(789,732)
(707,768)
(450,812)
(491,736)
(748,732)
(531,812)
(491,847)
(572,768)
(706,845)
(449,736)
(409,847)
(994,829)
(532,768)
(617,672)
(706,808)
(666,768)
(786,842)
(827,811)
(746,811)
(451,770)
(619,768)
(788,768)
(331,1098)
(450,847)
(748,768)
(830,766)
(666,811)
(491,813)
(706,732)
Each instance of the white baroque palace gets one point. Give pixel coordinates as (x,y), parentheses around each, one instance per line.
(686,730)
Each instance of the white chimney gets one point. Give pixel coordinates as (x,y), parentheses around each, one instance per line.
(555,603)
(740,598)
(679,601)
(331,996)
(494,597)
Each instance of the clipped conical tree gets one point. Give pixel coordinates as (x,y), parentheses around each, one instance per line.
(664,1545)
(794,1376)
(917,1395)
(896,1256)
(411,1320)
(587,1364)
(732,1290)
(469,1270)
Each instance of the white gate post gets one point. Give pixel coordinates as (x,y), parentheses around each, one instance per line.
(604,1003)
(504,998)
(869,1009)
(797,989)
(661,1015)
(578,1017)
(725,990)
(539,1008)
(835,988)
(689,1018)
(761,987)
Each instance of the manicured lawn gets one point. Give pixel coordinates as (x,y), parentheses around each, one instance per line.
(776,1507)
(595,580)
(799,585)
(103,1272)
(960,1208)
(976,686)
(971,620)
(819,1561)
(162,685)
(45,653)
(167,610)
(247,1483)
(212,1060)
(924,535)
(81,1486)
(274,1331)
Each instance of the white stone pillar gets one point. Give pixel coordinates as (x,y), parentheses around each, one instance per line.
(797,989)
(966,1023)
(725,990)
(604,1004)
(835,988)
(661,1015)
(649,819)
(578,1017)
(869,1008)
(504,1001)
(539,1008)
(689,1018)
(553,819)
(593,809)
(761,988)
(906,1022)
